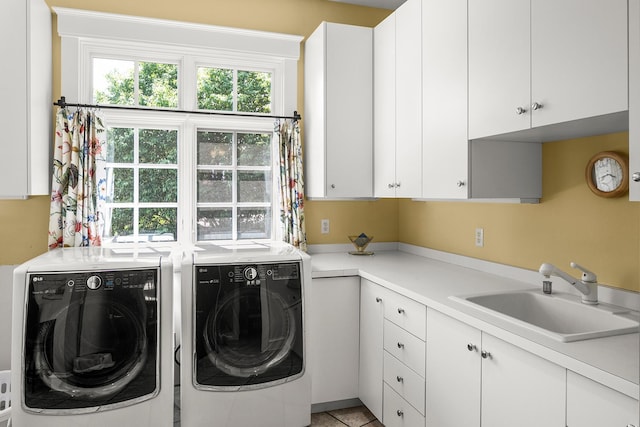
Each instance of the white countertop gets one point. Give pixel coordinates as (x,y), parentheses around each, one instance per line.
(612,361)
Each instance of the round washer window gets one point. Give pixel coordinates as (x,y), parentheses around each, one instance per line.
(91,349)
(249,331)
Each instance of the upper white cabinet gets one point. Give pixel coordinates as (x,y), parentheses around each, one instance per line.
(476,379)
(634,100)
(338,127)
(25,119)
(398,103)
(454,168)
(590,404)
(537,63)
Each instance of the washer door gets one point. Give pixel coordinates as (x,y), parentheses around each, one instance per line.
(90,341)
(100,349)
(250,331)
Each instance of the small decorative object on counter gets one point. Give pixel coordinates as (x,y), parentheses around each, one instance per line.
(361,242)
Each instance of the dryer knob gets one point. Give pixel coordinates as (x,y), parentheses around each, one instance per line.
(250,273)
(94,282)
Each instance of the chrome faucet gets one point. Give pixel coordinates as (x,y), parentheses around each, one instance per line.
(587,285)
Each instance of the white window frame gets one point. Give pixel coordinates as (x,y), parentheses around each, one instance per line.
(86,34)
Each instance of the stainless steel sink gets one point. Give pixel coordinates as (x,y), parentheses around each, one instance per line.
(559,316)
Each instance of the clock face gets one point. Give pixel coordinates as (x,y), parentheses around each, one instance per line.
(607,174)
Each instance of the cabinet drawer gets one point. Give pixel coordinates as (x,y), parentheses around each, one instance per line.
(405,382)
(407,348)
(397,412)
(406,313)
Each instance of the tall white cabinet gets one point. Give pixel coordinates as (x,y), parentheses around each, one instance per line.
(338,126)
(398,103)
(25,116)
(544,62)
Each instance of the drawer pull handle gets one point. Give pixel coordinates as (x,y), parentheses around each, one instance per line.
(400,345)
(400,413)
(399,379)
(378,299)
(486,355)
(401,311)
(471,347)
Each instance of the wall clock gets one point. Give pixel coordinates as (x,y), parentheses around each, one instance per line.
(607,174)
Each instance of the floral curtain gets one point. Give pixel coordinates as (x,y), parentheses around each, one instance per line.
(77,203)
(292,219)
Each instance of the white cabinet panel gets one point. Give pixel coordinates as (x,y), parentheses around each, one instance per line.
(590,404)
(398,103)
(453,372)
(499,66)
(406,313)
(384,107)
(444,109)
(25,119)
(372,298)
(398,412)
(338,111)
(409,99)
(578,59)
(405,347)
(334,339)
(404,381)
(519,388)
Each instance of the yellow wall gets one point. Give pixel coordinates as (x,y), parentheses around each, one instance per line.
(570,224)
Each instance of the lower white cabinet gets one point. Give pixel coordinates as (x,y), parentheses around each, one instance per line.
(372,298)
(476,379)
(590,404)
(333,336)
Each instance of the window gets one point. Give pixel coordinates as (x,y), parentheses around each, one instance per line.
(176,176)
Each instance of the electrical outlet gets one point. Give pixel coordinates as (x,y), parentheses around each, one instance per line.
(324,226)
(479,237)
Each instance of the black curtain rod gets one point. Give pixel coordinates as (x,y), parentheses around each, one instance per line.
(62,103)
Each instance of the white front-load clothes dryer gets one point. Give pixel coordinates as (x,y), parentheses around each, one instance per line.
(244,353)
(92,339)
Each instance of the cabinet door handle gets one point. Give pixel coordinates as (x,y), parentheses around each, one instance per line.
(399,379)
(378,299)
(400,310)
(460,183)
(520,111)
(400,345)
(536,106)
(486,355)
(636,177)
(333,186)
(471,347)
(400,413)
(392,185)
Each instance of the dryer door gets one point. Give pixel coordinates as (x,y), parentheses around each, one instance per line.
(91,340)
(248,326)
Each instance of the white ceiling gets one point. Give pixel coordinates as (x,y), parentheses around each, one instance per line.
(382,4)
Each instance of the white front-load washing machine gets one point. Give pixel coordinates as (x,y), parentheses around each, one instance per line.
(244,354)
(92,339)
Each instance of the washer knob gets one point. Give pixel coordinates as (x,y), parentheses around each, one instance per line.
(250,273)
(94,282)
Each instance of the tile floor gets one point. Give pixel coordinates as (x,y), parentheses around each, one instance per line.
(358,416)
